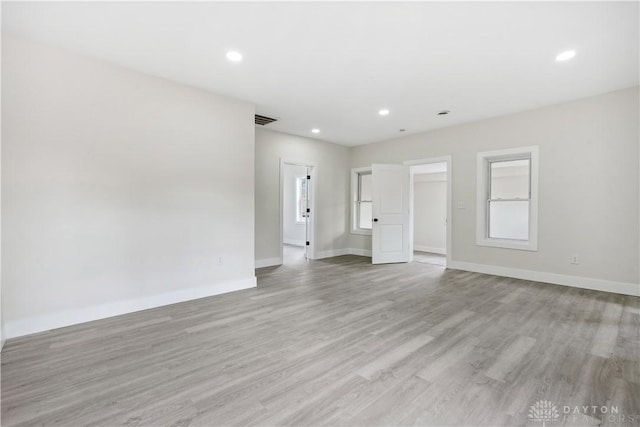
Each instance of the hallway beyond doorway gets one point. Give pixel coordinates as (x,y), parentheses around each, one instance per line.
(430,258)
(292,254)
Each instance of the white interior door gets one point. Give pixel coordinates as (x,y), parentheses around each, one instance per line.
(307,212)
(390,231)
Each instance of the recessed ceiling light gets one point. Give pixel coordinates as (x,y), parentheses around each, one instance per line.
(564,56)
(234,56)
(315,130)
(383,112)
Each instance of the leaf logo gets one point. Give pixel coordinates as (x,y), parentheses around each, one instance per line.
(543,410)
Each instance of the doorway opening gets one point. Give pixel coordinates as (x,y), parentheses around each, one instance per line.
(297,216)
(430,211)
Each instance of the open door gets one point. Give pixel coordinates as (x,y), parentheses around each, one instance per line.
(306,212)
(391,227)
(297,210)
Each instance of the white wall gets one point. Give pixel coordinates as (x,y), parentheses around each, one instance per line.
(120,191)
(588,185)
(332,192)
(293,233)
(2,331)
(430,213)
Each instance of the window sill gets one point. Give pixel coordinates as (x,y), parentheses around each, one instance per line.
(508,244)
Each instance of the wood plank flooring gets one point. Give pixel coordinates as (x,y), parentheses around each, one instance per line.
(340,342)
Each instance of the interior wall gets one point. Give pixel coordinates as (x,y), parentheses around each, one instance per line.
(120,191)
(332,192)
(430,213)
(293,232)
(588,201)
(2,332)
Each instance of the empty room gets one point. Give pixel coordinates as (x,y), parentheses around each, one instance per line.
(320,213)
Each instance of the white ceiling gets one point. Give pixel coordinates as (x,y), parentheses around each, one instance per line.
(333,65)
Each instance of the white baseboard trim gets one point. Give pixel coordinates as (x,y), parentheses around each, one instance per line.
(17,328)
(340,252)
(294,242)
(3,337)
(268,262)
(441,251)
(554,278)
(331,253)
(360,252)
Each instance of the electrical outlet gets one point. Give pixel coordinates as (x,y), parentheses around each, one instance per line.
(575,259)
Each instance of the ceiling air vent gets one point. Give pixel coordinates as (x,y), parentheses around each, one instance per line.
(264,120)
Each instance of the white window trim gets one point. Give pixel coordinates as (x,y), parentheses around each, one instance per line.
(355,172)
(482,185)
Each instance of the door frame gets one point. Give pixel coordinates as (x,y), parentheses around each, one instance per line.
(418,162)
(311,250)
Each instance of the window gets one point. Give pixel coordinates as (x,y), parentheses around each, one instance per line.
(508,198)
(362,213)
(301,199)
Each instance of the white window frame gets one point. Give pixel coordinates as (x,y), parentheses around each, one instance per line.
(355,202)
(482,196)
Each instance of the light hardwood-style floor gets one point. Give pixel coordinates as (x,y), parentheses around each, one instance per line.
(340,342)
